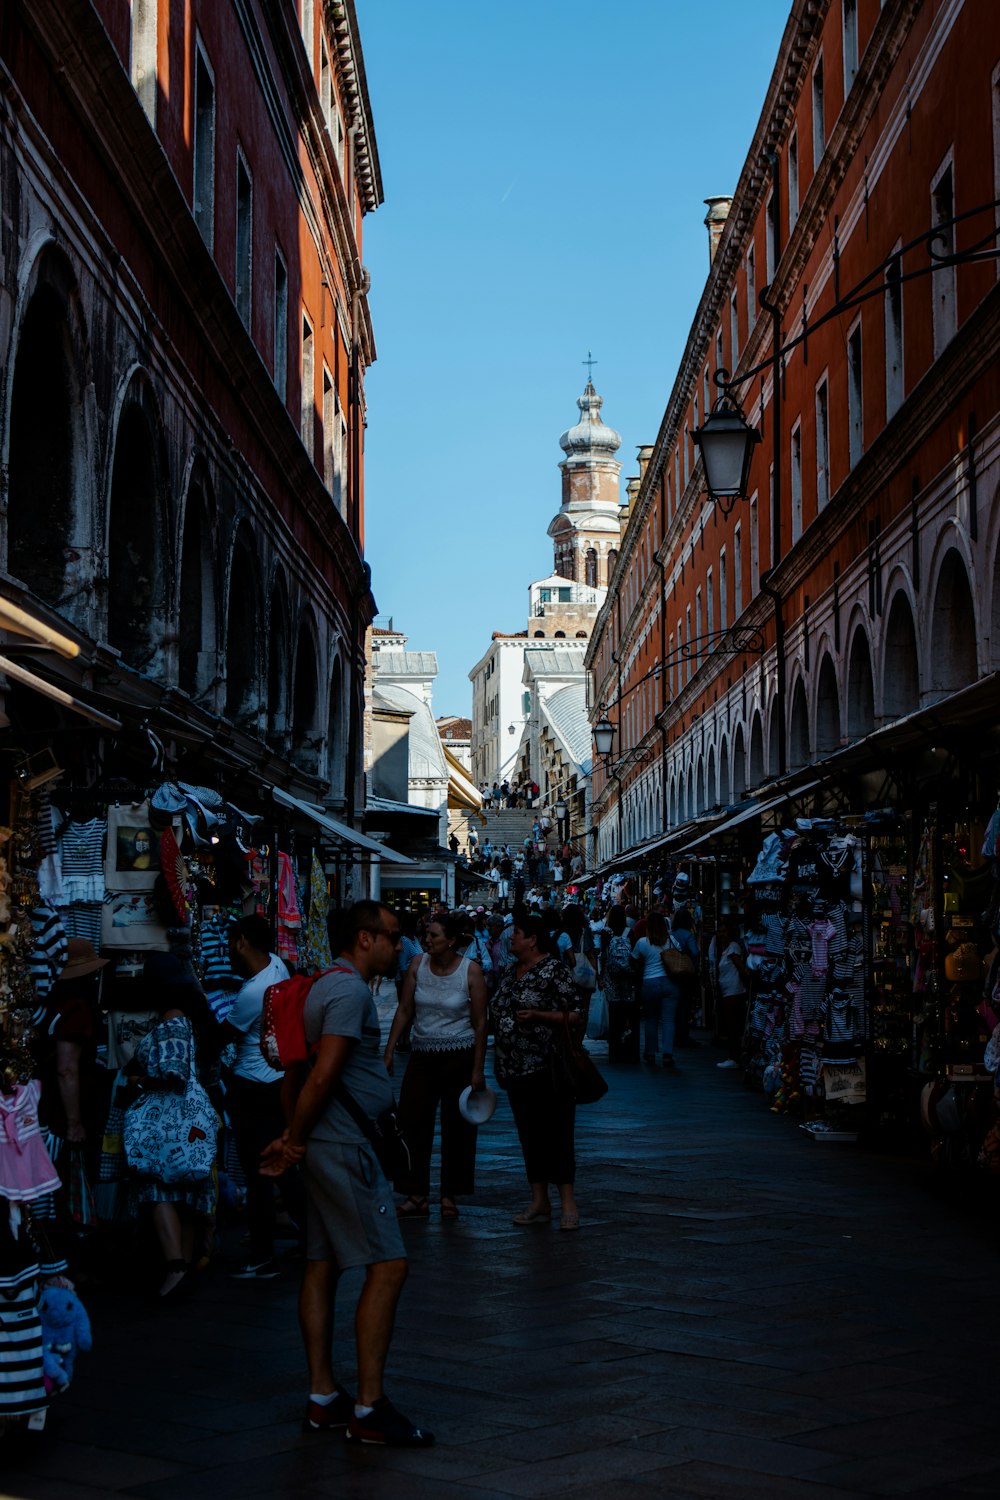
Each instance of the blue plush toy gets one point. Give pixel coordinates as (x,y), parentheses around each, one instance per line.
(65,1333)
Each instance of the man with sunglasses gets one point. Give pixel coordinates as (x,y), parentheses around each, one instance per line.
(351,1219)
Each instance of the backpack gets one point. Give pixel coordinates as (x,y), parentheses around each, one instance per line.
(282,1023)
(619,956)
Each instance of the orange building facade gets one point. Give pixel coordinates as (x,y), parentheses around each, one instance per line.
(185,326)
(733,650)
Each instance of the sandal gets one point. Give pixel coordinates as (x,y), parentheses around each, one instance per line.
(569,1221)
(413,1208)
(449,1210)
(533,1216)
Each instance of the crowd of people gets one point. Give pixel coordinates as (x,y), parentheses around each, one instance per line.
(315,1133)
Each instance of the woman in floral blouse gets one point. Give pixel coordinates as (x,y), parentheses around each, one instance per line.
(535,998)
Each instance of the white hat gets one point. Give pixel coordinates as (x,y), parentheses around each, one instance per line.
(477,1107)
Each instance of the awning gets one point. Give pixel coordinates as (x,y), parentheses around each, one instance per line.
(388,805)
(755,810)
(339,833)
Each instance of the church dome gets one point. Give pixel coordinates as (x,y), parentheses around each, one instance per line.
(590,437)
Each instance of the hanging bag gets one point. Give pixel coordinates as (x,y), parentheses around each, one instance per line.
(573,1070)
(169,1136)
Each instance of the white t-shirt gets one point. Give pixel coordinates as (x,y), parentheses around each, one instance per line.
(245,1016)
(731,981)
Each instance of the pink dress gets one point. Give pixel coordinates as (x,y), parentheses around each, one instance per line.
(26,1170)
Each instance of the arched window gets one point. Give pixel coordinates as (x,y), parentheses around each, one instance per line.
(136,561)
(196,664)
(953,658)
(590,568)
(827,710)
(756,752)
(277,668)
(242,637)
(901,671)
(336,738)
(798,739)
(612,560)
(725,790)
(43,455)
(739,766)
(860,689)
(306,739)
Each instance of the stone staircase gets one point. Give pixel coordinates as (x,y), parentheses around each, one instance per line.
(508,826)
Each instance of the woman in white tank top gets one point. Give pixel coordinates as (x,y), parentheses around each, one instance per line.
(445,998)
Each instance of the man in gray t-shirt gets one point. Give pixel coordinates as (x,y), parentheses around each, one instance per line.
(341,1004)
(351,1215)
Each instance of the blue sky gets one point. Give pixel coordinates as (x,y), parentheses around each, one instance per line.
(544,167)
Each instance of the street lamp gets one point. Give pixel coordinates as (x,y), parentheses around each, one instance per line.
(727,442)
(560,811)
(604,736)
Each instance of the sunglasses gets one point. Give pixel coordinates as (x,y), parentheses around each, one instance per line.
(394,934)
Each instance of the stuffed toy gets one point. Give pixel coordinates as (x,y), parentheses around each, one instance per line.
(65,1333)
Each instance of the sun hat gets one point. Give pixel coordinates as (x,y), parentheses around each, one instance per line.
(479,1107)
(81,959)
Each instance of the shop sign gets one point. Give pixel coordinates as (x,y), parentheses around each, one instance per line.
(845,1082)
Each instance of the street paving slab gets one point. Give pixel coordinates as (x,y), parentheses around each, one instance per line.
(744,1313)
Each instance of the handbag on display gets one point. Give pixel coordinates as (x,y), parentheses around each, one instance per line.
(574,1071)
(171,1137)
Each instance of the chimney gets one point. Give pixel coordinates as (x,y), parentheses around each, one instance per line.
(645,454)
(715,222)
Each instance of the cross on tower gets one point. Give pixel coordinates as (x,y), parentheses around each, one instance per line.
(590,361)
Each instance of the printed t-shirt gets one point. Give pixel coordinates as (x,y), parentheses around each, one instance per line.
(341,1004)
(245,1017)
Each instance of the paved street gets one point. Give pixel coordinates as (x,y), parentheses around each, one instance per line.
(745,1313)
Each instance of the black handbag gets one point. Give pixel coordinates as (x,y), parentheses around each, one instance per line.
(386,1138)
(574,1071)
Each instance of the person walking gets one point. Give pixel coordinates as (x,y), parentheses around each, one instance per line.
(253,1095)
(350,1223)
(727,965)
(444,997)
(659,993)
(534,998)
(618,982)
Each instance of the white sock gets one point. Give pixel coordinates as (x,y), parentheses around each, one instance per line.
(323,1400)
(362,1411)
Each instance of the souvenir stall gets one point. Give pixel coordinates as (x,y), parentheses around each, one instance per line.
(33,951)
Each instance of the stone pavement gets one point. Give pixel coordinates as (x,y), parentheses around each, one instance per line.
(745,1313)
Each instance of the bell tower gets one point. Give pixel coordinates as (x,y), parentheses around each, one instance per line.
(587,527)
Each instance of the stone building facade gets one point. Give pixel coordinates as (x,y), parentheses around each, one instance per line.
(185,327)
(872,589)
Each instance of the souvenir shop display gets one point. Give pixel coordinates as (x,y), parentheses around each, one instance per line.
(810,917)
(129,873)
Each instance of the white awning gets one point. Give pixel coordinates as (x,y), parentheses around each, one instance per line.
(340,833)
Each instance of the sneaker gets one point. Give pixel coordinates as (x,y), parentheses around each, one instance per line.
(729,1063)
(336,1413)
(262,1270)
(387,1426)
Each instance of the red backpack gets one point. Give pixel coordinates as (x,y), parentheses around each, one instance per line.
(282,1026)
